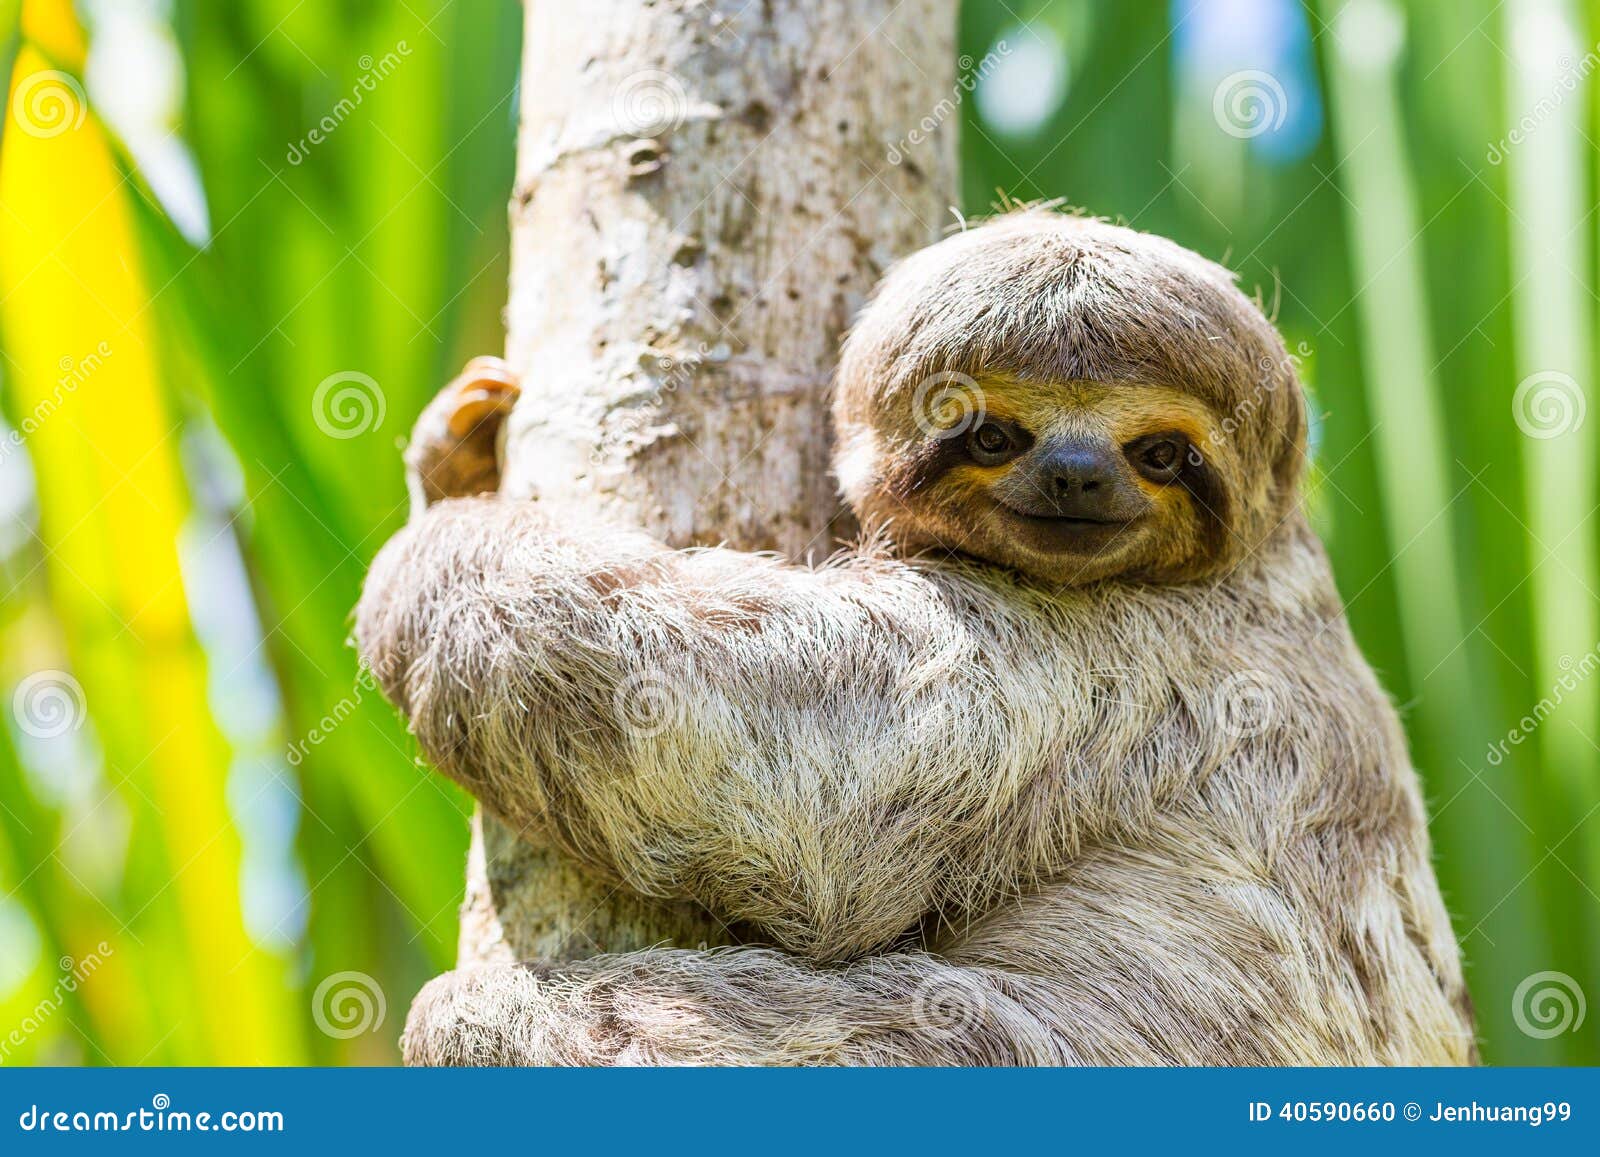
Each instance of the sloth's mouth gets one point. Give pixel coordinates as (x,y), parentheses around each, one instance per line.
(1064,532)
(1068,519)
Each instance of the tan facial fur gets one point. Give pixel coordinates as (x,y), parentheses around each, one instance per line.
(1165,527)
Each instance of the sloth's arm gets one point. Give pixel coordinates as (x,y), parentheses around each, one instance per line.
(739,1007)
(1174,955)
(829,755)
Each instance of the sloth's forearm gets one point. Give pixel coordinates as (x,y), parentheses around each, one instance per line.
(1094,973)
(474,619)
(811,752)
(735,1007)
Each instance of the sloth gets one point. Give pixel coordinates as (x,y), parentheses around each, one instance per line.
(1073,761)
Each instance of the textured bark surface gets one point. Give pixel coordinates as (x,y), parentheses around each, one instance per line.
(704,198)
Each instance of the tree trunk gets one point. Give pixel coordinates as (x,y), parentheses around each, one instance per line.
(706,190)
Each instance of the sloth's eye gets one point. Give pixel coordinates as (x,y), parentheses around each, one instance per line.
(991,443)
(1160,458)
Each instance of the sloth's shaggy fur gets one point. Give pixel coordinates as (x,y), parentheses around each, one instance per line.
(978,816)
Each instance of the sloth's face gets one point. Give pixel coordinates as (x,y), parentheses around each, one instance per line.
(1071,482)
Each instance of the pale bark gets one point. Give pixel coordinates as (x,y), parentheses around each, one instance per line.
(704,197)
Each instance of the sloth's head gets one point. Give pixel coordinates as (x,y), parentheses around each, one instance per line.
(1071,399)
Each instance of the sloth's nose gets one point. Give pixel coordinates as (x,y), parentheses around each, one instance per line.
(1083,479)
(1081,471)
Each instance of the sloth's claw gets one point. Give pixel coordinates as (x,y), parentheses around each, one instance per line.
(452,452)
(484,391)
(473,409)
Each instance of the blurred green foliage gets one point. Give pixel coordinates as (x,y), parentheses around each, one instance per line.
(1419,279)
